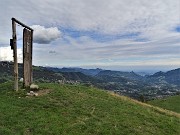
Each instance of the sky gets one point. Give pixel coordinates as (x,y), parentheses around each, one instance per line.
(126,35)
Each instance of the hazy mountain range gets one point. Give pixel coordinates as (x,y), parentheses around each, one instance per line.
(131,84)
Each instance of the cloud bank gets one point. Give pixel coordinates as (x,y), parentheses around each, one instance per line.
(44,35)
(6,54)
(98,32)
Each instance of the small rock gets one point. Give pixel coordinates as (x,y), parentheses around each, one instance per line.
(35,94)
(34,87)
(31,92)
(21,80)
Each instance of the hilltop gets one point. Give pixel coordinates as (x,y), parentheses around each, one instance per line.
(76,109)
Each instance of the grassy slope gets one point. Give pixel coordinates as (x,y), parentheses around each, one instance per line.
(170,103)
(80,110)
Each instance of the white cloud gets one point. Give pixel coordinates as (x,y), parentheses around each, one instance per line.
(6,54)
(44,35)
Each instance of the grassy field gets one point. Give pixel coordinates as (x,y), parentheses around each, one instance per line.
(170,103)
(76,110)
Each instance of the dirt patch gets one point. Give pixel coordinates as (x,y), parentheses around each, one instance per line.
(38,93)
(43,92)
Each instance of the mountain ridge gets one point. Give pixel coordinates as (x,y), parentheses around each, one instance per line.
(158,85)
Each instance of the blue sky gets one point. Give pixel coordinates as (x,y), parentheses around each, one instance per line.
(99,37)
(177,29)
(111,34)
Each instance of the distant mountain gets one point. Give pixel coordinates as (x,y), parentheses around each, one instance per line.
(157,74)
(43,74)
(91,72)
(171,77)
(108,74)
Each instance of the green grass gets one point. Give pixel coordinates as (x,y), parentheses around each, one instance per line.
(171,103)
(76,110)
